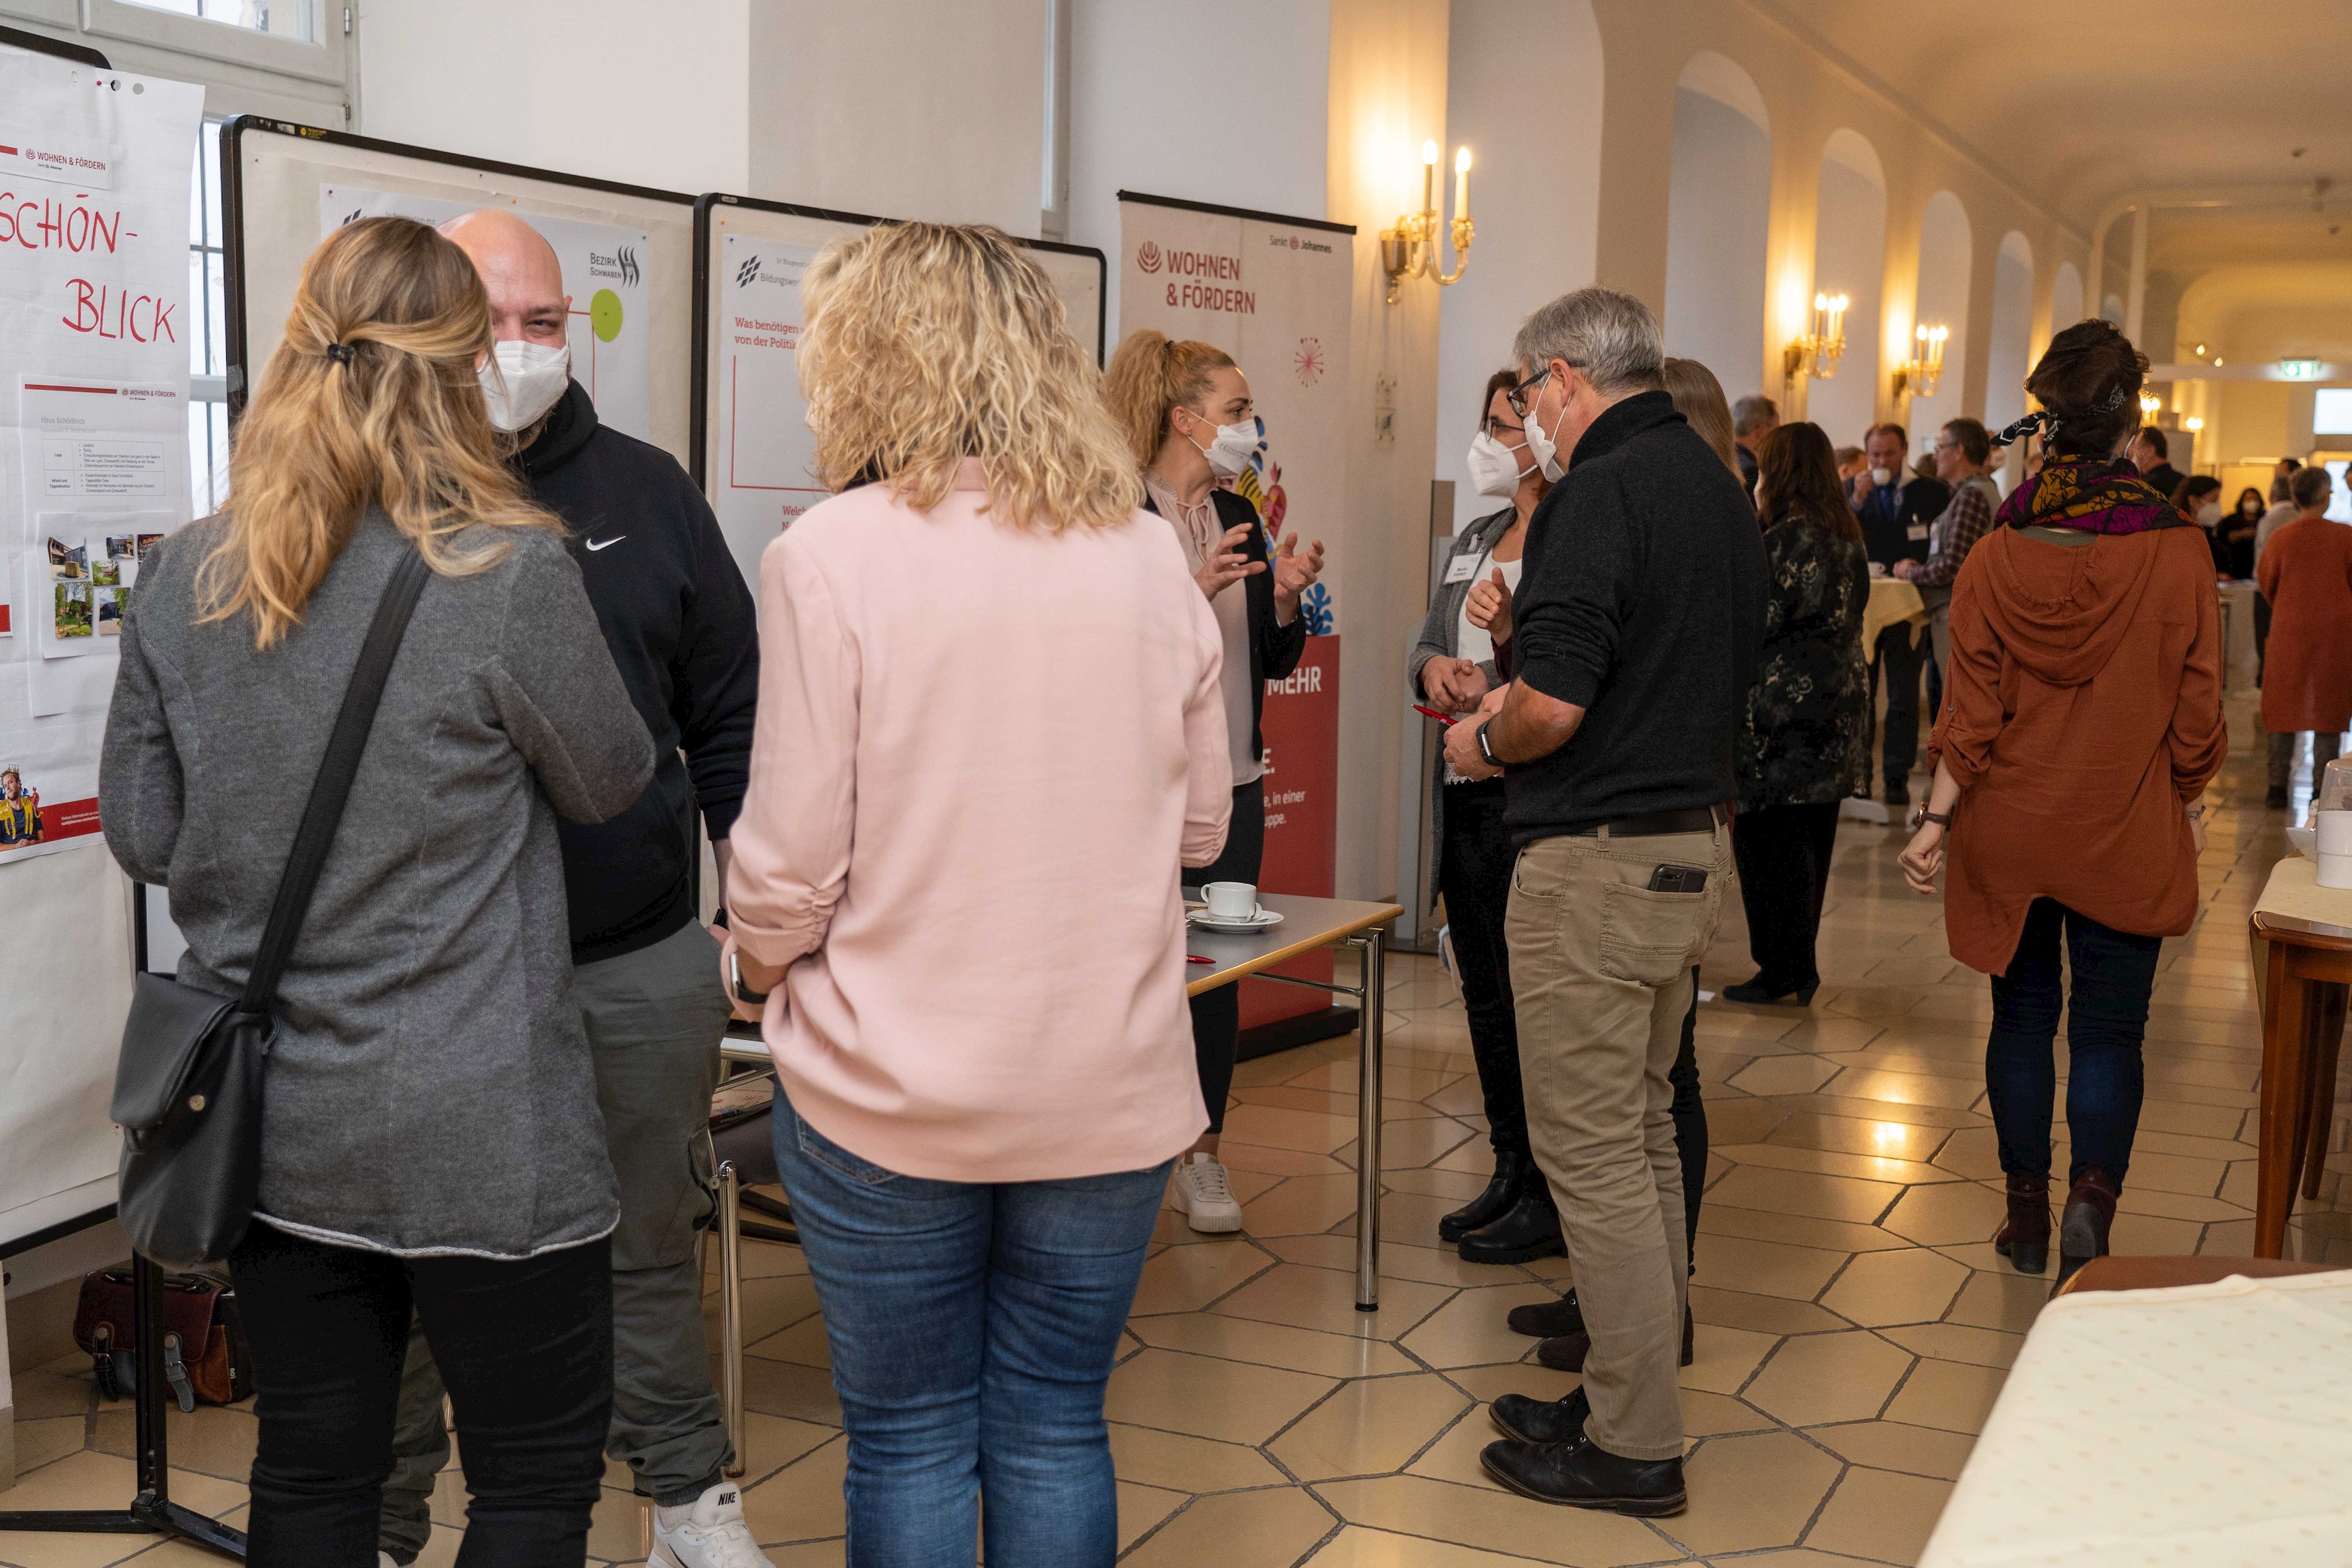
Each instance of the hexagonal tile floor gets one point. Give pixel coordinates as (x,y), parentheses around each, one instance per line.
(1854,1324)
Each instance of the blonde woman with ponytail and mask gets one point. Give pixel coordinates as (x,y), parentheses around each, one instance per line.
(431,1140)
(1185,409)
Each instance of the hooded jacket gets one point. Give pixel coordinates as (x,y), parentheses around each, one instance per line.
(2082,713)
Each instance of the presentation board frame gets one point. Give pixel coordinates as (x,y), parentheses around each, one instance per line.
(698,373)
(236,313)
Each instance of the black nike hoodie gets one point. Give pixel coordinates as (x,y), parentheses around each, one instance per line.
(684,632)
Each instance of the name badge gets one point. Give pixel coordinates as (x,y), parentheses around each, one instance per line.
(1462,568)
(1917,531)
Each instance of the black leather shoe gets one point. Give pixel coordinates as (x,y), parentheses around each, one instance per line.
(1512,1171)
(1530,1228)
(1580,1475)
(1526,1420)
(1759,992)
(1548,1319)
(1566,1353)
(1898,795)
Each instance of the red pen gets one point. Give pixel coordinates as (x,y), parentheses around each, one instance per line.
(1197,958)
(1443,718)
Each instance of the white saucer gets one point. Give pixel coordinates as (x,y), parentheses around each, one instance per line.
(1265,919)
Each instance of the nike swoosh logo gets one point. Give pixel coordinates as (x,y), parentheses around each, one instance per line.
(604,544)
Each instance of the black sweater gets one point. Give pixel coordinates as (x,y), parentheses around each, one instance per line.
(1275,648)
(683,634)
(1642,601)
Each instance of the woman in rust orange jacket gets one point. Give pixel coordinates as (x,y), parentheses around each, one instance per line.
(2082,721)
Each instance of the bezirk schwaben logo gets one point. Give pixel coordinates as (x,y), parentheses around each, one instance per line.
(1147,257)
(621,266)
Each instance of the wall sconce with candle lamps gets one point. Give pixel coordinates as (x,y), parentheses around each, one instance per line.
(2150,405)
(1409,249)
(1817,354)
(1923,373)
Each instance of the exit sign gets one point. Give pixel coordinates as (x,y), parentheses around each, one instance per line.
(2299,369)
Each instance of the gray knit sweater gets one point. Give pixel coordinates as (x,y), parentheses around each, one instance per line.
(430,1091)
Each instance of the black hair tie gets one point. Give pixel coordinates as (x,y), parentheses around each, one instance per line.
(340,352)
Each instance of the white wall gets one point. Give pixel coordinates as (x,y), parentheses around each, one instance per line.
(1850,258)
(1536,200)
(1231,106)
(2065,298)
(2013,329)
(615,89)
(1946,253)
(1718,213)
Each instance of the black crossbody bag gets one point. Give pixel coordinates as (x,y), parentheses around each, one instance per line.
(188,1086)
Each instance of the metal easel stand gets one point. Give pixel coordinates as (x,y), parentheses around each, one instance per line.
(151,1511)
(1373,1020)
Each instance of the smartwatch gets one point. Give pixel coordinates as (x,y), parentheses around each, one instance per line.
(1486,749)
(741,993)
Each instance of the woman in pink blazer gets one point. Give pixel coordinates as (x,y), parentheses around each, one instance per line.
(988,730)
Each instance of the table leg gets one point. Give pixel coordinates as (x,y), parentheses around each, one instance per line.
(1368,1125)
(2327,1045)
(731,1311)
(2283,1027)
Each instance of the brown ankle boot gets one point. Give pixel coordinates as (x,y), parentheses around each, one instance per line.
(2089,1213)
(2024,1236)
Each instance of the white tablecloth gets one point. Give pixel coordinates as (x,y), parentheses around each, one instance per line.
(2207,1426)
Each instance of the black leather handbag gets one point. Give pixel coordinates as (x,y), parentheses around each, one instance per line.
(188,1085)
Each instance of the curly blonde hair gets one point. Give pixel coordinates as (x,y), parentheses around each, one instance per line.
(928,344)
(394,418)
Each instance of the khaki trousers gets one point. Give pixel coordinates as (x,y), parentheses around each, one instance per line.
(1601,969)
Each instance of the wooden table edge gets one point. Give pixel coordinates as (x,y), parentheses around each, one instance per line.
(1325,937)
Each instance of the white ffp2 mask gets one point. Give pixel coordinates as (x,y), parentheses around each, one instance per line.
(522,381)
(1230,452)
(1495,468)
(1542,447)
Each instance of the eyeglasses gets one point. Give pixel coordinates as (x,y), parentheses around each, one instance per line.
(1497,428)
(1518,396)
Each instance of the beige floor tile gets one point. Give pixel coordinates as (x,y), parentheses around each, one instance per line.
(2000,1298)
(1406,1145)
(804,1343)
(1956,1342)
(1301,1205)
(1724,1358)
(1743,1121)
(1905,1089)
(46,1438)
(1231,1401)
(1272,1345)
(1438,1265)
(1495,1520)
(1532,1379)
(768,1305)
(91,1480)
(1892,1445)
(1869,1168)
(784,1388)
(1371,1426)
(1955,1211)
(1180,1462)
(1401,1079)
(1356,1547)
(1717,1217)
(41,1395)
(1273,1127)
(1325,1300)
(2145,1235)
(1471,1331)
(1240,1156)
(1331,1103)
(1708,1414)
(1783,1076)
(1853,1135)
(1186,1279)
(1751,1491)
(1947,1393)
(1742,1309)
(1458,1186)
(1769,1268)
(1142,1507)
(1884,1111)
(1882,1514)
(1801,1191)
(1910,1286)
(1270,1529)
(1828,1377)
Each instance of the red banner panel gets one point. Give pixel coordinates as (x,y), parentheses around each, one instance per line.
(1302,814)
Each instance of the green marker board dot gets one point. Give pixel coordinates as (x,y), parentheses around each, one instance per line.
(604,314)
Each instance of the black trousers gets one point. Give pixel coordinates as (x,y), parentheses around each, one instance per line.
(1217,1015)
(1784,852)
(1473,873)
(525,1346)
(2113,975)
(1898,662)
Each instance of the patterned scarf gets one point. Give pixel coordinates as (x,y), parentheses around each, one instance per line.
(2096,495)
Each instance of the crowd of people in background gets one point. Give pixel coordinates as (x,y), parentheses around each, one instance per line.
(1658,663)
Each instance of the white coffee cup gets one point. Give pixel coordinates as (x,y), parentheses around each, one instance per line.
(1878,569)
(1232,900)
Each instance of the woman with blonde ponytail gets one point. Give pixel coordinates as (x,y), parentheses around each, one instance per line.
(1185,409)
(430,1138)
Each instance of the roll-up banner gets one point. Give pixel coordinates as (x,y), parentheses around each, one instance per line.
(94,429)
(1276,293)
(754,454)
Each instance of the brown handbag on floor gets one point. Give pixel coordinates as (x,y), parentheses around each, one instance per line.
(205,1358)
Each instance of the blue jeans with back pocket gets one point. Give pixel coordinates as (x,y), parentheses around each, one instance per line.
(973,1327)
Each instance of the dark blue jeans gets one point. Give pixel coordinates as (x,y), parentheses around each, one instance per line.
(972,1329)
(2114,973)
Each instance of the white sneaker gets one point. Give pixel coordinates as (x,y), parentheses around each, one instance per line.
(708,1532)
(1204,1194)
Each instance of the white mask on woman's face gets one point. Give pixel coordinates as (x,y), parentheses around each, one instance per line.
(1230,452)
(2209,514)
(522,381)
(1495,468)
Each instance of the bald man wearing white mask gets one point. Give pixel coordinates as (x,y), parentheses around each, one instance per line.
(681,627)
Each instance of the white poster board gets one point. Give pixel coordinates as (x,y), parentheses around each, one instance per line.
(757,455)
(94,330)
(627,253)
